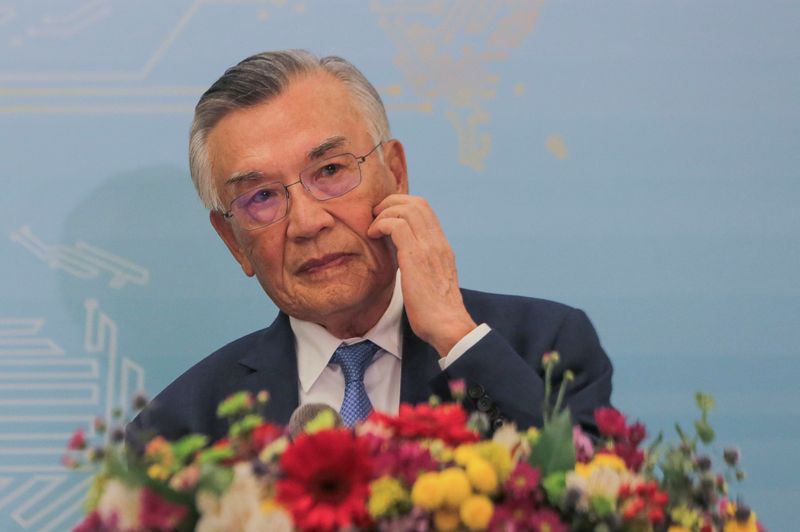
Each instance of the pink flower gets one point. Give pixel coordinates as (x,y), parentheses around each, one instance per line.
(77,441)
(458,388)
(584,450)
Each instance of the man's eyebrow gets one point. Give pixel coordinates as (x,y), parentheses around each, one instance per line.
(328,145)
(252,175)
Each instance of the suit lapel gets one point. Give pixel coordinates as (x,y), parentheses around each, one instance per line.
(273,361)
(420,366)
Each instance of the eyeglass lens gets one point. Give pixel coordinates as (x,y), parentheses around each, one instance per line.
(326,179)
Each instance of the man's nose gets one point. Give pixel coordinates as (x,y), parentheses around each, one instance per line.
(307,216)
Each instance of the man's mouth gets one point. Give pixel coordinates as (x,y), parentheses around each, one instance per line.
(321,263)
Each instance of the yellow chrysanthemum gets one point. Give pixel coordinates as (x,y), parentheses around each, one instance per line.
(482,476)
(158,472)
(733,525)
(439,450)
(498,457)
(385,494)
(601,461)
(455,485)
(674,528)
(269,505)
(476,512)
(446,520)
(427,491)
(685,518)
(464,454)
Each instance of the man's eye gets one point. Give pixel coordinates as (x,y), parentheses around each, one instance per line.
(329,170)
(262,196)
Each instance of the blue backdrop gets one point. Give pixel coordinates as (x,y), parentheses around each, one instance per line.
(637,159)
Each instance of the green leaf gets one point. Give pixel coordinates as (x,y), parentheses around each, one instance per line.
(214,455)
(555,485)
(214,478)
(322,421)
(245,426)
(601,506)
(555,451)
(187,446)
(237,404)
(704,431)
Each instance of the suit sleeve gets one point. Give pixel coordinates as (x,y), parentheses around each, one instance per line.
(506,381)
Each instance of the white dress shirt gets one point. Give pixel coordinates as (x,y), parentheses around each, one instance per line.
(322,382)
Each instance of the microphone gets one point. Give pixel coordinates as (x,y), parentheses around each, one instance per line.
(307,412)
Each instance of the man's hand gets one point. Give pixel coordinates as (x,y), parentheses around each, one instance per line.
(431,295)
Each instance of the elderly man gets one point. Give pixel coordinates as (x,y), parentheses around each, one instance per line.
(293,157)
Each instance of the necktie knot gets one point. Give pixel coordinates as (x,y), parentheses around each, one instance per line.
(354,359)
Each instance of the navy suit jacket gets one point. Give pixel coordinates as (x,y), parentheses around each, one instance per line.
(502,371)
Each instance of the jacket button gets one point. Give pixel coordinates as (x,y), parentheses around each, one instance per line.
(474,391)
(485,403)
(497,423)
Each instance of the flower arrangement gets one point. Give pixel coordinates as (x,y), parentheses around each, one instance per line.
(427,468)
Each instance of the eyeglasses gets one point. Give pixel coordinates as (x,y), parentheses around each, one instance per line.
(325,179)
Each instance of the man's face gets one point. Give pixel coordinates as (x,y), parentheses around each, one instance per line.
(317,263)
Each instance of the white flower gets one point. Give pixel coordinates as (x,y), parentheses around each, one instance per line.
(508,436)
(122,503)
(240,507)
(276,520)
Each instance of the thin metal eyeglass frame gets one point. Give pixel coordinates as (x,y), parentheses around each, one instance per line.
(359,160)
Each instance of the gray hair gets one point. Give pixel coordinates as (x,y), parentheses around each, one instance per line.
(258,79)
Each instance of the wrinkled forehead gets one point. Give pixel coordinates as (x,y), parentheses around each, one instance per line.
(315,116)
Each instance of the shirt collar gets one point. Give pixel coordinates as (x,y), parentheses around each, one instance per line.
(315,345)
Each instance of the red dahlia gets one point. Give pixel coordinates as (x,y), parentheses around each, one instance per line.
(326,480)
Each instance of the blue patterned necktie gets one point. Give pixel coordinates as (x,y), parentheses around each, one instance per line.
(354,359)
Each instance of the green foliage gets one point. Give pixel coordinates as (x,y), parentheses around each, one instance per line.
(704,431)
(555,451)
(601,506)
(214,478)
(322,421)
(236,405)
(555,486)
(215,455)
(185,448)
(243,427)
(704,402)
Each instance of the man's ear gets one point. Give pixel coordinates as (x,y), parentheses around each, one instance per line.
(225,232)
(395,157)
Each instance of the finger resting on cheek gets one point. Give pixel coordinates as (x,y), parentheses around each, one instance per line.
(396,228)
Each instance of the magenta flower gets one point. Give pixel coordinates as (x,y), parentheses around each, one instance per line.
(523,481)
(159,514)
(77,441)
(544,519)
(401,459)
